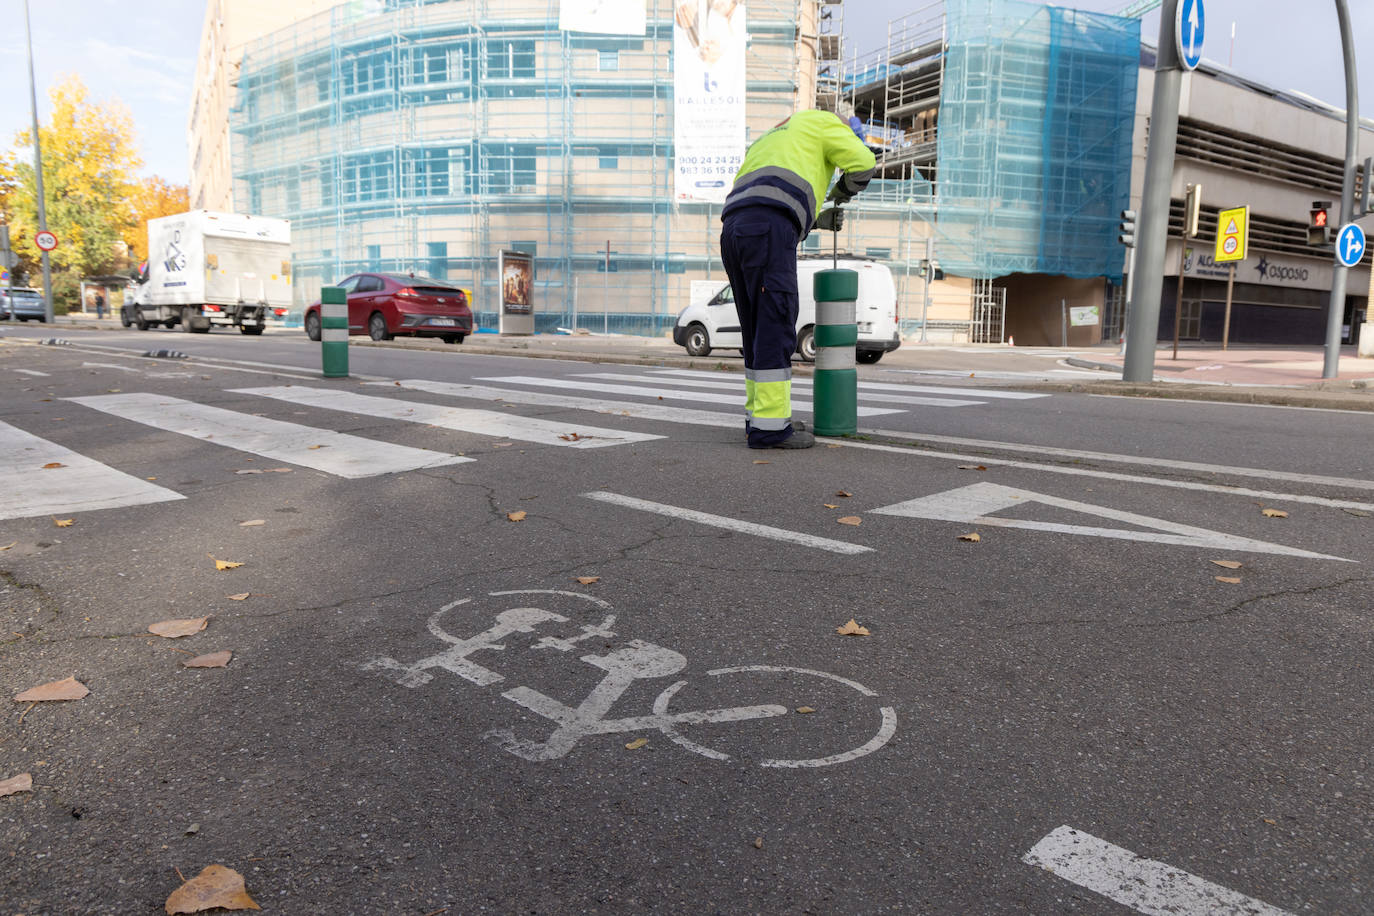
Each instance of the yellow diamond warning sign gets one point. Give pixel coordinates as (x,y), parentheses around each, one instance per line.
(1233,234)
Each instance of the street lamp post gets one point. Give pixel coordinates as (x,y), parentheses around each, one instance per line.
(38,173)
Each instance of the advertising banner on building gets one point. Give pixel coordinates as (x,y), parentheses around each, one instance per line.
(515,269)
(708,109)
(607,17)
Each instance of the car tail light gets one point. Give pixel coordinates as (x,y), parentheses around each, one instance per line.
(213,308)
(407,291)
(280,313)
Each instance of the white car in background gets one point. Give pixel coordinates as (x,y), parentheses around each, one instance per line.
(710,322)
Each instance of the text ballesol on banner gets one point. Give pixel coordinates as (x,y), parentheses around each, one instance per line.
(609,17)
(709,84)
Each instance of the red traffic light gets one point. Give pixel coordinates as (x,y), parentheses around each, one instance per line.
(1319,217)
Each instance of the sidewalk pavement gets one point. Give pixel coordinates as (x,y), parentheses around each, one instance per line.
(1289,376)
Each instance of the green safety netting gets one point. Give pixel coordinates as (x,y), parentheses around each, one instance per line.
(1037,109)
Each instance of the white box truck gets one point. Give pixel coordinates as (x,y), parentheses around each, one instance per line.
(209,269)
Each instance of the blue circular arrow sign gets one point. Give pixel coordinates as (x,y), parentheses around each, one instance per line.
(1188,31)
(1350,245)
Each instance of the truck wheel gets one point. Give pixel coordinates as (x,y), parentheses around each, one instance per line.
(376,327)
(186,320)
(868,357)
(312,325)
(252,331)
(140,322)
(806,344)
(169,323)
(698,341)
(124,318)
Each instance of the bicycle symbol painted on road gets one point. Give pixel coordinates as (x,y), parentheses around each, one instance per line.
(625,664)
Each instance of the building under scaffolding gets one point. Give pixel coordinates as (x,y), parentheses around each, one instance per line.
(428,135)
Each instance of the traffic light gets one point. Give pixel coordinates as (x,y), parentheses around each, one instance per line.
(1319,224)
(1192,208)
(1127,236)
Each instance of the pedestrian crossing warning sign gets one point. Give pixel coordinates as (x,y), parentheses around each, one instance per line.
(1233,234)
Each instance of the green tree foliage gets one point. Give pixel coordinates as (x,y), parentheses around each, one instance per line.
(90,164)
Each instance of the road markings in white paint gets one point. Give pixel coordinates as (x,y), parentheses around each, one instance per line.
(628,662)
(675,394)
(797,386)
(1111,475)
(322,449)
(1144,885)
(729,524)
(993,393)
(111,366)
(974,505)
(81,484)
(33,372)
(481,422)
(543,399)
(1172,464)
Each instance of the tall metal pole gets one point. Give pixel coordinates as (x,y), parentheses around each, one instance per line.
(1332,364)
(38,173)
(925,295)
(1143,309)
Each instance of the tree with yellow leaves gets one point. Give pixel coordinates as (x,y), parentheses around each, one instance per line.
(90,161)
(152,198)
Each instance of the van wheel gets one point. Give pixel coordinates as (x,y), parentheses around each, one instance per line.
(698,341)
(806,344)
(250,330)
(140,322)
(124,318)
(869,356)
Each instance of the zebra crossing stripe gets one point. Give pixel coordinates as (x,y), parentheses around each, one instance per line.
(889,386)
(797,385)
(321,449)
(80,484)
(714,397)
(482,422)
(600,405)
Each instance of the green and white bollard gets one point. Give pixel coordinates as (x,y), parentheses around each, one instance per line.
(836,383)
(334,331)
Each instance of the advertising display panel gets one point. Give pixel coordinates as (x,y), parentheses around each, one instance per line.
(515,270)
(709,83)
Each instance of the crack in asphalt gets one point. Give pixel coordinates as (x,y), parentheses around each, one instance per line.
(46,605)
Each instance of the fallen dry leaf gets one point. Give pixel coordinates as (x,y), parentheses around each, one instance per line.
(16,784)
(974,537)
(831,505)
(279,470)
(242,596)
(249,471)
(173,629)
(66,689)
(253,523)
(224,564)
(516,516)
(588,580)
(313,447)
(972,467)
(852,629)
(845,493)
(761,461)
(1358,513)
(150,478)
(53,464)
(636,744)
(210,660)
(1229,580)
(1275,513)
(572,437)
(805,709)
(1227,564)
(64,522)
(215,886)
(758,842)
(850,520)
(9,545)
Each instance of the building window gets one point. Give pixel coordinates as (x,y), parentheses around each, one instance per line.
(374,256)
(426,172)
(609,157)
(1190,320)
(510,59)
(510,169)
(608,60)
(437,266)
(880,253)
(365,73)
(369,177)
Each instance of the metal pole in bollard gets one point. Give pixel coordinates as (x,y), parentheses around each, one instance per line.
(334,331)
(836,382)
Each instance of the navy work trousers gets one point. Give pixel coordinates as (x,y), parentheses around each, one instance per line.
(759,247)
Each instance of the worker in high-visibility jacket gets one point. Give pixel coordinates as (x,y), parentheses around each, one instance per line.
(775,203)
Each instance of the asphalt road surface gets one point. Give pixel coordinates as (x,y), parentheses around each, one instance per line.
(515,635)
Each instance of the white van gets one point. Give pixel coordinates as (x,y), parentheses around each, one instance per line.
(711,322)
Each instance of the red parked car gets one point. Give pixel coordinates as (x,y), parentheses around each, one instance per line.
(384,305)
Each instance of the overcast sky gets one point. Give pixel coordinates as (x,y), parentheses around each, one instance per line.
(143,52)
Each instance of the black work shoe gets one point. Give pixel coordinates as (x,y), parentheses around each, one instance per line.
(798,439)
(798,426)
